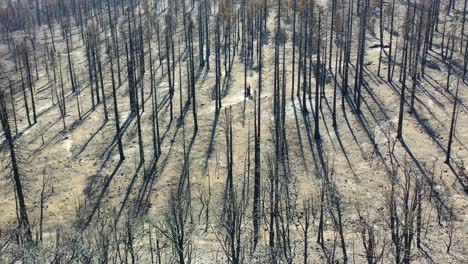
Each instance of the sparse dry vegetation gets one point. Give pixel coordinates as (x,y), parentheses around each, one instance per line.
(222,131)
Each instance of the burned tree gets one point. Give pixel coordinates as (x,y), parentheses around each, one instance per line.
(23,221)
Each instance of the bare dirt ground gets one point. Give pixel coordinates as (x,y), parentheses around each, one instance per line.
(83,164)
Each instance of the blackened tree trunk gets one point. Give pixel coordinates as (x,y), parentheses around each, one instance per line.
(450,63)
(25,98)
(23,214)
(131,73)
(452,125)
(294,48)
(116,109)
(72,79)
(257,176)
(169,67)
(317,80)
(192,77)
(362,43)
(331,34)
(99,64)
(30,82)
(381,34)
(403,88)
(416,61)
(389,69)
(304,65)
(13,106)
(90,74)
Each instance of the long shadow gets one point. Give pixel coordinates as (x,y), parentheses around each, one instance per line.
(226,84)
(149,179)
(439,88)
(345,115)
(423,89)
(461,176)
(373,114)
(103,192)
(362,120)
(338,137)
(90,139)
(129,191)
(325,123)
(146,180)
(123,128)
(423,173)
(432,114)
(364,123)
(428,130)
(426,255)
(323,162)
(78,122)
(180,119)
(306,120)
(49,142)
(209,151)
(21,132)
(377,102)
(299,136)
(109,149)
(44,130)
(68,98)
(168,127)
(185,170)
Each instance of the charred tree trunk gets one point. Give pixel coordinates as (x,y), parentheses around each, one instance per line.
(23,214)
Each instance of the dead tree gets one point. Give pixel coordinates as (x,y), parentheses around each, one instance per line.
(372,240)
(94,42)
(24,52)
(232,216)
(450,230)
(318,75)
(111,55)
(452,125)
(61,98)
(360,65)
(403,85)
(22,210)
(192,75)
(309,216)
(46,191)
(177,227)
(381,34)
(390,59)
(257,176)
(13,105)
(294,47)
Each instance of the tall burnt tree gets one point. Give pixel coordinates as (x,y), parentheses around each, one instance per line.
(381,34)
(390,59)
(452,125)
(23,87)
(294,47)
(318,76)
(406,30)
(129,48)
(218,75)
(360,65)
(116,109)
(23,213)
(257,176)
(68,38)
(24,52)
(192,75)
(170,68)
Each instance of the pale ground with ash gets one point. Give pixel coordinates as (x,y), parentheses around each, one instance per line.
(80,159)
